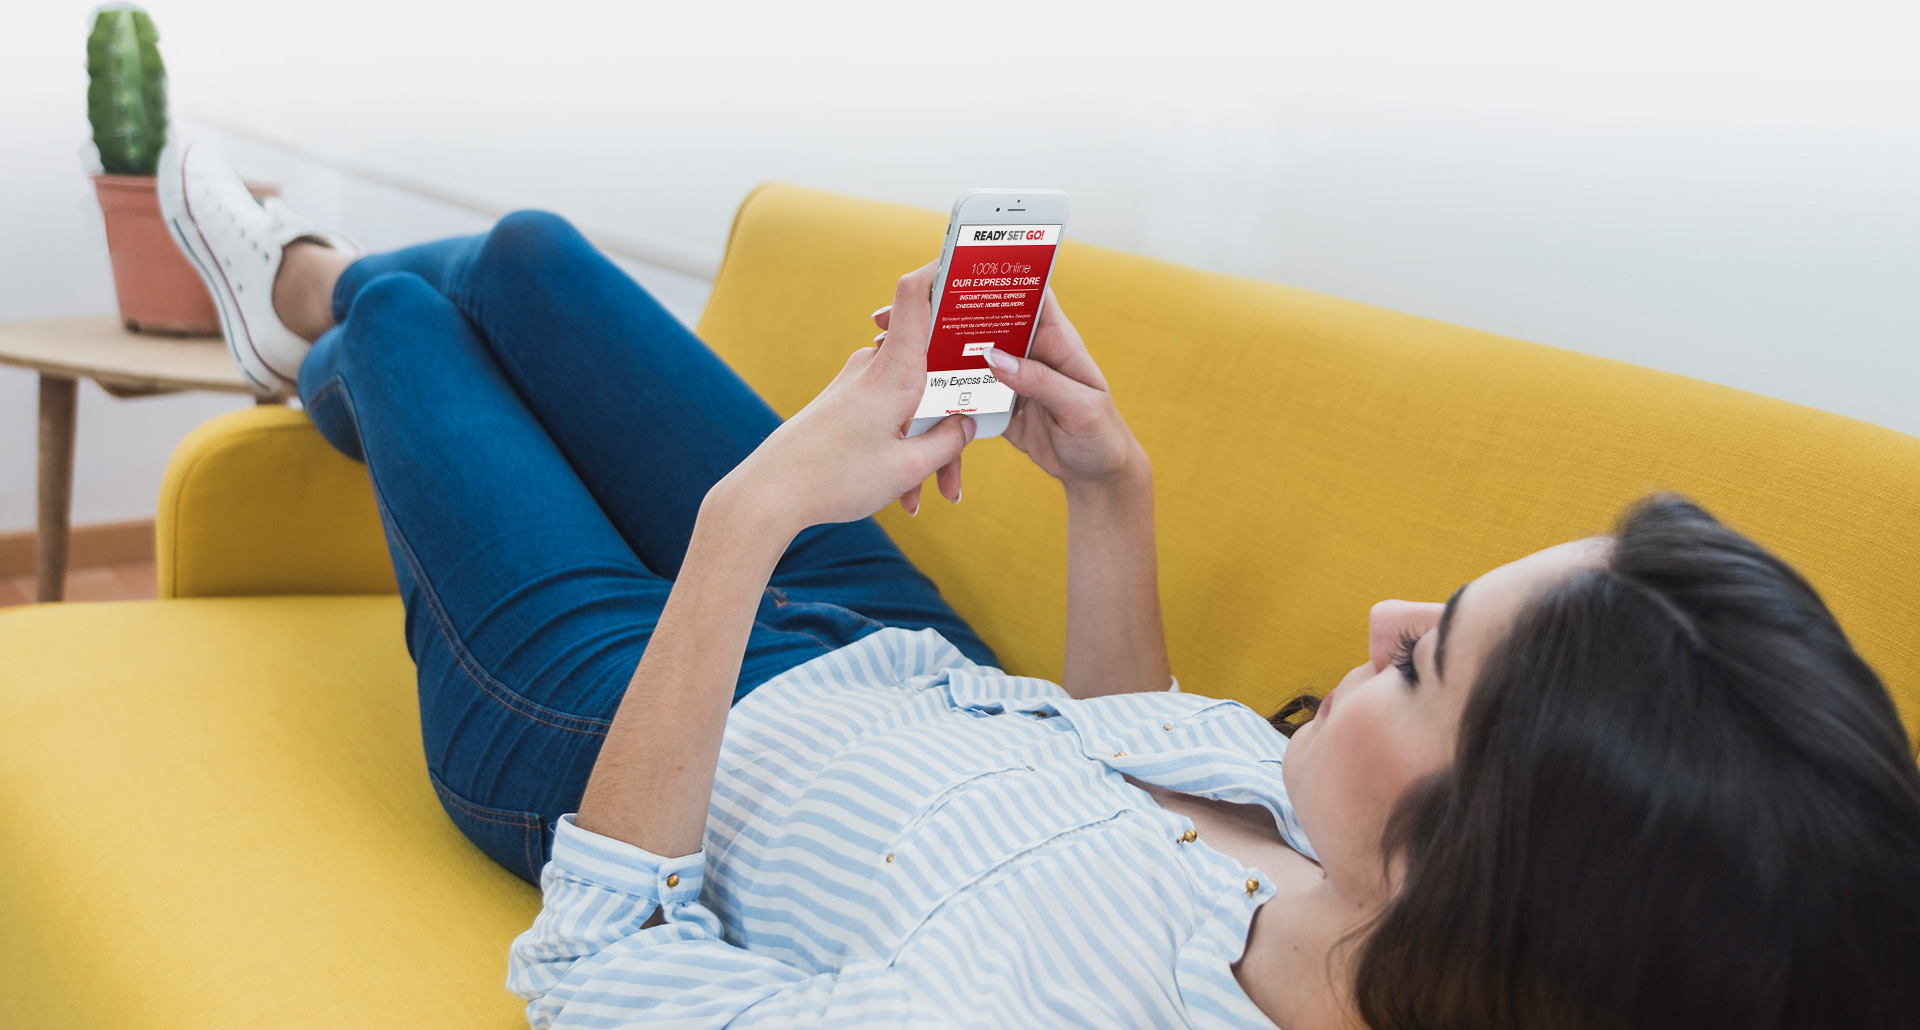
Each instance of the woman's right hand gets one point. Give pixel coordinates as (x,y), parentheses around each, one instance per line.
(1064,418)
(847,454)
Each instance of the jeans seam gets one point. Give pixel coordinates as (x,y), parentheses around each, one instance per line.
(780,600)
(505,696)
(527,823)
(336,384)
(797,633)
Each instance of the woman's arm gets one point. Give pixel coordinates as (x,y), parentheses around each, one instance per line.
(653,780)
(1066,421)
(843,457)
(1115,643)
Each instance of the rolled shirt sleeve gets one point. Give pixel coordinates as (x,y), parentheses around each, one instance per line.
(586,961)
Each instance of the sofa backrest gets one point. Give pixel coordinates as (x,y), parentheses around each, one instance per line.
(1314,455)
(256,503)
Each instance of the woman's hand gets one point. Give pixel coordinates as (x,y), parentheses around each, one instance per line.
(847,454)
(1065,418)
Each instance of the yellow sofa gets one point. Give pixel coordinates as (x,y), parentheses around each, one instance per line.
(216,812)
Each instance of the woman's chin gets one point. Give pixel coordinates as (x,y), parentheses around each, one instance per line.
(1300,746)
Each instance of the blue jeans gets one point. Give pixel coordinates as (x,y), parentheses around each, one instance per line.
(540,433)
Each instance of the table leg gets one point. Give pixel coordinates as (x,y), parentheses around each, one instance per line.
(58,397)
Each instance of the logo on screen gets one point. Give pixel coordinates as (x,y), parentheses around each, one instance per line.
(1009,234)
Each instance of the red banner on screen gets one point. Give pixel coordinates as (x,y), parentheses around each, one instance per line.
(992,294)
(991,297)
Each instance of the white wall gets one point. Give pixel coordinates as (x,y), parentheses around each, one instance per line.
(53,261)
(1725,190)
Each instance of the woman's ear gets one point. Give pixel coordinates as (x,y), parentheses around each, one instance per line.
(1388,620)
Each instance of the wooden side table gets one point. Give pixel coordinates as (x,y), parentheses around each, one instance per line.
(98,347)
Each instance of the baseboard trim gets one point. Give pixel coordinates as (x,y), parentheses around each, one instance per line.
(91,546)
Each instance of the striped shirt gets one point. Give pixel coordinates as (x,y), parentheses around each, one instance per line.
(901,838)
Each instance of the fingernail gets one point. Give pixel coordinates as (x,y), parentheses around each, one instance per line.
(1001,362)
(915,510)
(968,427)
(881,310)
(879,336)
(957,494)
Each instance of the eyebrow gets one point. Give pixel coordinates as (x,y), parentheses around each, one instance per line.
(1440,634)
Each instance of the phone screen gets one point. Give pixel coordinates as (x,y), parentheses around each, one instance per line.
(990,299)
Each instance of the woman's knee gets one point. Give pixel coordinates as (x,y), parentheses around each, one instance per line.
(387,309)
(392,295)
(387,343)
(539,238)
(394,312)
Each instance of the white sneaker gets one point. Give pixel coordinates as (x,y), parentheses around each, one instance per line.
(235,243)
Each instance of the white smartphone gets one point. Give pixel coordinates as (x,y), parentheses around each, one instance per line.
(994,270)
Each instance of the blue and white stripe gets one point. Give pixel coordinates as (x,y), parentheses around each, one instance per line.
(901,838)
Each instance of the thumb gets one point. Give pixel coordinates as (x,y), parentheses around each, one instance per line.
(941,444)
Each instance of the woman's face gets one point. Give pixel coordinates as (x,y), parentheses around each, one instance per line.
(1393,720)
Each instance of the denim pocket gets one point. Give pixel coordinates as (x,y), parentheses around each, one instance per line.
(828,625)
(516,840)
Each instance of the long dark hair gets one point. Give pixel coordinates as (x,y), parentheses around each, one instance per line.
(1679,799)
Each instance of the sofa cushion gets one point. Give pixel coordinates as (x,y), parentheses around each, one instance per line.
(218,815)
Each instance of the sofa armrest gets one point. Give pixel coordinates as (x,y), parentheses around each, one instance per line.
(255,503)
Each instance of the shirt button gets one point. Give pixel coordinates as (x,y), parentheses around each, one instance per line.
(1166,726)
(1253,886)
(1029,768)
(673,879)
(889,856)
(1189,837)
(1119,754)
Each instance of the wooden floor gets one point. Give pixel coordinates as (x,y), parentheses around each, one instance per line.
(106,583)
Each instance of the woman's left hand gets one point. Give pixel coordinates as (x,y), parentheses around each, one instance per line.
(847,454)
(1065,418)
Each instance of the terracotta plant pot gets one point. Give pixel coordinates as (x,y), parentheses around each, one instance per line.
(158,291)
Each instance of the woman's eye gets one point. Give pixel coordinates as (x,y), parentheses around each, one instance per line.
(1403,657)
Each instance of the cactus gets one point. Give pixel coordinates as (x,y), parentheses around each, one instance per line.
(127,94)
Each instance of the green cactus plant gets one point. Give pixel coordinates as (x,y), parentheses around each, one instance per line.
(127,91)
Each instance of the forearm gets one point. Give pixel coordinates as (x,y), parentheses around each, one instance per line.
(1115,642)
(653,781)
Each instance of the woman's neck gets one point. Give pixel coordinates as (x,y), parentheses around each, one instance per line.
(1291,969)
(1298,966)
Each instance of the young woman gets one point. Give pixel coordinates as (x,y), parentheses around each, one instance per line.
(1633,781)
